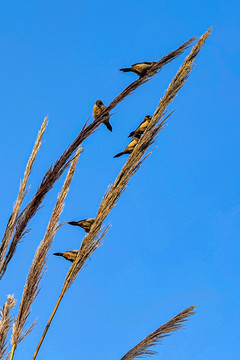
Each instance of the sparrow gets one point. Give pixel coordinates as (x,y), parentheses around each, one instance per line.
(68,255)
(140,68)
(130,146)
(97,110)
(85,223)
(142,127)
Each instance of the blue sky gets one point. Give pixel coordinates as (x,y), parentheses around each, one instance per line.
(174,240)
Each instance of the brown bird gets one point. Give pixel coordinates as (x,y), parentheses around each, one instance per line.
(130,146)
(140,68)
(68,255)
(142,127)
(98,109)
(85,223)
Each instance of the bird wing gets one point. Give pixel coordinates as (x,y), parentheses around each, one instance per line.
(143,62)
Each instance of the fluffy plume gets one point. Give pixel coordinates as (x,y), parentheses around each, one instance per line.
(144,347)
(56,171)
(22,191)
(135,159)
(5,323)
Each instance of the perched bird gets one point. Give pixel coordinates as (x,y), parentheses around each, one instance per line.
(98,109)
(140,68)
(68,255)
(130,146)
(142,127)
(85,223)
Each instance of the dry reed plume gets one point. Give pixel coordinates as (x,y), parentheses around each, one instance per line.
(5,323)
(22,191)
(36,271)
(54,173)
(93,239)
(134,161)
(144,347)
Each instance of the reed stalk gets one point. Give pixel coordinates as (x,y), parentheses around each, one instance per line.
(93,239)
(22,191)
(5,323)
(144,347)
(31,288)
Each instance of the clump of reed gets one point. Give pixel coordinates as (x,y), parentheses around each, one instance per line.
(93,239)
(17,223)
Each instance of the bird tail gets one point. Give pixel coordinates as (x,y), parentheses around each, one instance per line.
(120,154)
(126,69)
(108,125)
(73,223)
(131,134)
(58,254)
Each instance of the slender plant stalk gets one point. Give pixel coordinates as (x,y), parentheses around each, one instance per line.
(5,323)
(13,351)
(52,315)
(93,239)
(31,288)
(64,289)
(22,191)
(144,347)
(53,174)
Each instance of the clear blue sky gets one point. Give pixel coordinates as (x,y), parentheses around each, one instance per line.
(174,240)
